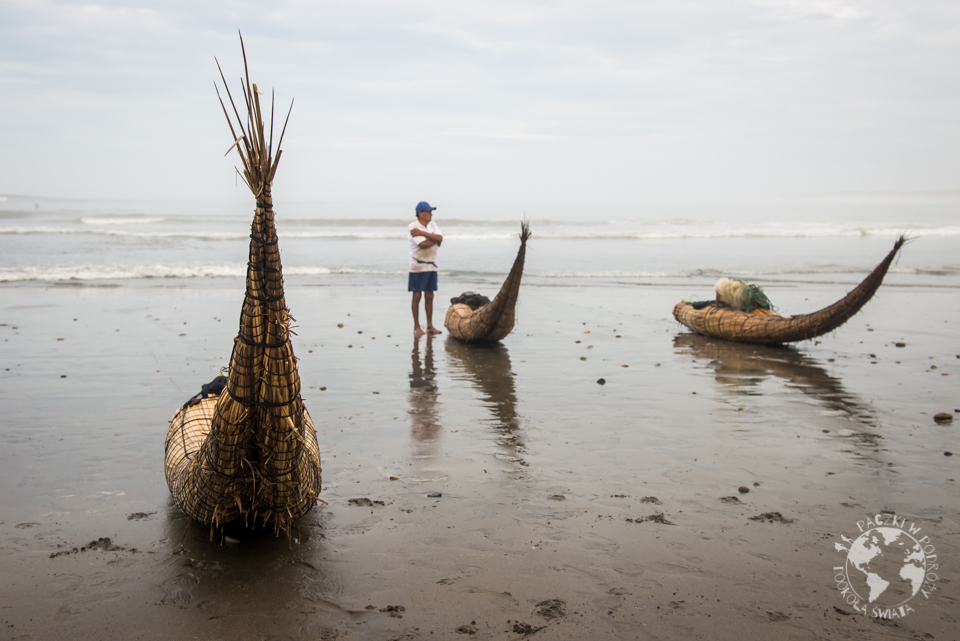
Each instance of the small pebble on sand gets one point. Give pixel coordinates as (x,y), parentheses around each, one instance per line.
(943,417)
(900,344)
(743,489)
(601,381)
(339,324)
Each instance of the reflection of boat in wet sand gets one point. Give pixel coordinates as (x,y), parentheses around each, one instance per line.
(252,449)
(765,327)
(488,368)
(742,367)
(490,322)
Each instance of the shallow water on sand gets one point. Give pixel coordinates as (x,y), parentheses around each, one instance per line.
(548,479)
(833,237)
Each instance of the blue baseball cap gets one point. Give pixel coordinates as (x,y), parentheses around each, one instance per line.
(424,206)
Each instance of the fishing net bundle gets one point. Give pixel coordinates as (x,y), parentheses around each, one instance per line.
(742,296)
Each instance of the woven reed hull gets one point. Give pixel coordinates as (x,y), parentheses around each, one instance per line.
(496,319)
(762,327)
(258,452)
(192,486)
(482,325)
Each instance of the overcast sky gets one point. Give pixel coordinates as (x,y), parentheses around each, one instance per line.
(601,101)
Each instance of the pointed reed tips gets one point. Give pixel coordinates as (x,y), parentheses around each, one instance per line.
(525,232)
(235,143)
(243,50)
(272,101)
(276,160)
(904,239)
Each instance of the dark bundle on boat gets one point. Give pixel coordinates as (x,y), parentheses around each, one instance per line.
(471,299)
(766,327)
(250,450)
(493,320)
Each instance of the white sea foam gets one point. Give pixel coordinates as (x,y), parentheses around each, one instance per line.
(120,220)
(559,231)
(200,235)
(238,270)
(740,274)
(101,272)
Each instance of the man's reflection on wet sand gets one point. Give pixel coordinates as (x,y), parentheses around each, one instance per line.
(424,412)
(488,368)
(741,368)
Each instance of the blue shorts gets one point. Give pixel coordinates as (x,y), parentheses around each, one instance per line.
(422,282)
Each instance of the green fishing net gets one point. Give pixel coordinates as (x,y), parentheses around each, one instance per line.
(754,298)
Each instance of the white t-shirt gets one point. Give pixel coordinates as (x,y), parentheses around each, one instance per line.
(426,255)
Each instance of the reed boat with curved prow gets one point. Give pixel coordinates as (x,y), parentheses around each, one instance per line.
(250,450)
(766,327)
(490,322)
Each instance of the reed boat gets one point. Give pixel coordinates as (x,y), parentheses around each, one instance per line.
(250,451)
(490,322)
(766,327)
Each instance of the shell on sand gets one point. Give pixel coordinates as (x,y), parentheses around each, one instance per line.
(766,327)
(496,319)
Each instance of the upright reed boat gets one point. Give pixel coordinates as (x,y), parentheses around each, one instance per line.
(491,321)
(252,450)
(766,327)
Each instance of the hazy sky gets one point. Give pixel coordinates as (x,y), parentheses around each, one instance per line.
(600,101)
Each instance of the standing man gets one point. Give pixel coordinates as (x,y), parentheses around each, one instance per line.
(425,238)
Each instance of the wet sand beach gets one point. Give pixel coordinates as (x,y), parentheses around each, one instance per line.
(485,492)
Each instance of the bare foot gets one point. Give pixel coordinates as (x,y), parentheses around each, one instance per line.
(433,330)
(418,332)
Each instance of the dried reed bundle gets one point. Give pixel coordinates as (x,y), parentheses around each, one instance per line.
(496,319)
(255,451)
(765,327)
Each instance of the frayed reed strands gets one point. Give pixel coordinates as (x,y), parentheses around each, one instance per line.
(493,321)
(253,450)
(764,327)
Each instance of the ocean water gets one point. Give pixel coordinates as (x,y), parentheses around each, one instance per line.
(828,238)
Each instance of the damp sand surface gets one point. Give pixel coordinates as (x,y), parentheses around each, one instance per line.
(492,493)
